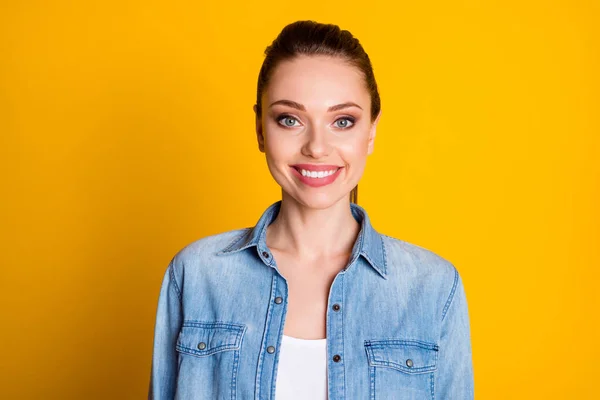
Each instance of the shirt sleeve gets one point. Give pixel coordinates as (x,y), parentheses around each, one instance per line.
(454,378)
(169,316)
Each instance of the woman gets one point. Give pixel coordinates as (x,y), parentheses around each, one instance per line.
(312,302)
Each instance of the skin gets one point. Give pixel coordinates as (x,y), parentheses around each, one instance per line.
(312,237)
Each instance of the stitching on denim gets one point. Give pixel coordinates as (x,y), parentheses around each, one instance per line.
(431,382)
(209,352)
(329,346)
(236,344)
(174,281)
(236,240)
(261,357)
(384,255)
(361,240)
(406,246)
(365,255)
(214,324)
(284,314)
(402,368)
(343,347)
(451,296)
(279,339)
(385,342)
(372,369)
(236,361)
(426,368)
(393,238)
(232,386)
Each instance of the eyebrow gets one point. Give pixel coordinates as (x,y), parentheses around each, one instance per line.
(300,107)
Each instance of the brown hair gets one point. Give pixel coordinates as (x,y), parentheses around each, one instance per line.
(313,38)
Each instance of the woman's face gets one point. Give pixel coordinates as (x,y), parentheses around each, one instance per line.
(316,121)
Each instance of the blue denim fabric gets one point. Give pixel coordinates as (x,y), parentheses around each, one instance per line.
(401,330)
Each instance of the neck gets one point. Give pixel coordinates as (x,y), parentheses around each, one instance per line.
(311,233)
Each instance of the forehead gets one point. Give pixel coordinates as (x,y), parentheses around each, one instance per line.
(317,81)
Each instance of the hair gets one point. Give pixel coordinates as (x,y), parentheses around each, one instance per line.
(316,39)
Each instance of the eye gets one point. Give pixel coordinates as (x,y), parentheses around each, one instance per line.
(345,122)
(287,121)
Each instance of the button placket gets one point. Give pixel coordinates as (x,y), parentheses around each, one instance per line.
(274,324)
(336,374)
(271,349)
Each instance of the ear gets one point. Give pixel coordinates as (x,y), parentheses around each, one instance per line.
(372,132)
(259,131)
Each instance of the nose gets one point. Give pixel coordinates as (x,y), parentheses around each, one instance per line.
(316,144)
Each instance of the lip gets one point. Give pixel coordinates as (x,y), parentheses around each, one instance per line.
(315,182)
(316,167)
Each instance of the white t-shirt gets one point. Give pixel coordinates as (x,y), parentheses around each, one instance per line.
(302,369)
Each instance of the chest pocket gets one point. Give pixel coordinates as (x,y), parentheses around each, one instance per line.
(401,368)
(209,354)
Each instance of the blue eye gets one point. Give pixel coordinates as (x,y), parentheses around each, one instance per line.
(346,121)
(288,121)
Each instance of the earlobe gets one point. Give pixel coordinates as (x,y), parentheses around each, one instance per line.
(372,134)
(371,144)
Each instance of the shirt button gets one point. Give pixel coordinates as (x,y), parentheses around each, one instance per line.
(278,300)
(270,349)
(337,358)
(336,307)
(409,363)
(265,254)
(201,345)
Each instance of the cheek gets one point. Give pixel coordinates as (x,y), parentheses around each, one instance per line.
(354,150)
(280,148)
(275,144)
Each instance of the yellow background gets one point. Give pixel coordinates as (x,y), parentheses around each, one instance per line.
(127,132)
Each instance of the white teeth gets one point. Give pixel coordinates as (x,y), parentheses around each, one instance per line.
(319,174)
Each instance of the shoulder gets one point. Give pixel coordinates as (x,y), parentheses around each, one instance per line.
(203,249)
(212,244)
(423,265)
(412,255)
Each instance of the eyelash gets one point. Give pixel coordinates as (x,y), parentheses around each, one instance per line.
(283,116)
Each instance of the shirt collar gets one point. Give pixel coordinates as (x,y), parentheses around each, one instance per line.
(369,242)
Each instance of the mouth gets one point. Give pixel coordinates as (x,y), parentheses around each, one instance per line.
(318,172)
(316,175)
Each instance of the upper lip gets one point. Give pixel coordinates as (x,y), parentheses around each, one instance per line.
(316,167)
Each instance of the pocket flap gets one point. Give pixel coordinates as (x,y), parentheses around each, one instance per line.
(206,338)
(410,356)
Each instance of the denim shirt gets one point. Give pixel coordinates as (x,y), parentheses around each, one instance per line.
(397,321)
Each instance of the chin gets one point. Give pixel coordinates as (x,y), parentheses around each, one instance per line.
(322,200)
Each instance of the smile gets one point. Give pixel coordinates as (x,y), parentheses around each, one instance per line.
(316,175)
